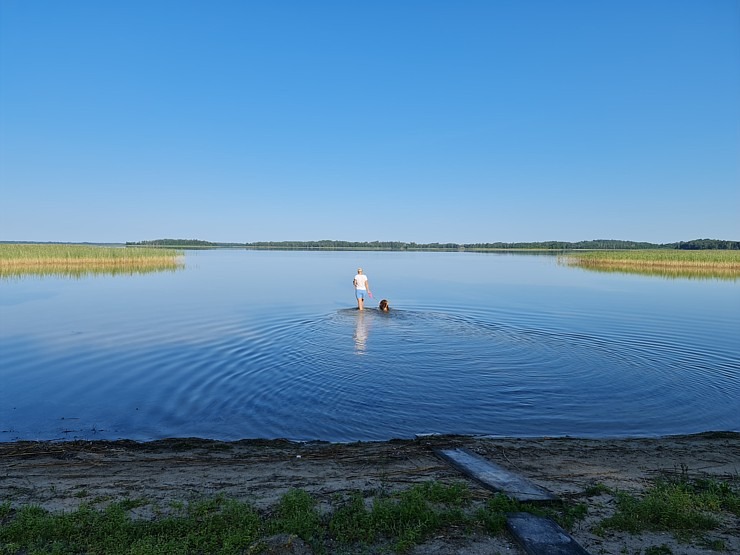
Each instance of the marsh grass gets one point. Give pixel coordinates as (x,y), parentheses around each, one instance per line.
(17,260)
(356,522)
(719,264)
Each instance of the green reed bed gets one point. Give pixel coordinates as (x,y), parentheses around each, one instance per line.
(670,263)
(68,259)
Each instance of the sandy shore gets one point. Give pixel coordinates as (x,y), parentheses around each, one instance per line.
(61,476)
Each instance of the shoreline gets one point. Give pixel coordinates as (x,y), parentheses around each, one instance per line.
(64,475)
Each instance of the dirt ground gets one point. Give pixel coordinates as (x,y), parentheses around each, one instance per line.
(61,476)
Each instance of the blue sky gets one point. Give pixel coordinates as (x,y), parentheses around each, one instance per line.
(409,120)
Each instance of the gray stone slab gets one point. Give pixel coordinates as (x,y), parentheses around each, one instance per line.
(541,536)
(495,477)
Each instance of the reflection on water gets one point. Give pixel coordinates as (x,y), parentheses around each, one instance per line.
(483,344)
(75,271)
(364,321)
(727,274)
(362,326)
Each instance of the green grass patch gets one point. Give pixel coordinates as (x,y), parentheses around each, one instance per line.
(681,506)
(354,523)
(404,519)
(297,514)
(213,526)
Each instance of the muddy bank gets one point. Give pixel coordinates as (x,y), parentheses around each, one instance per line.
(61,476)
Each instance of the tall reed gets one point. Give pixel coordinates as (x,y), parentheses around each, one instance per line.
(75,260)
(669,263)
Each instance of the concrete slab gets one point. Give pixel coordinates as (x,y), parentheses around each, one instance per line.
(495,477)
(542,536)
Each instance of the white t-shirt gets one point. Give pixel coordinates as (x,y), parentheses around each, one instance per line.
(361,282)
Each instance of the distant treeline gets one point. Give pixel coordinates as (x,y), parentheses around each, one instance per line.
(708,244)
(600,244)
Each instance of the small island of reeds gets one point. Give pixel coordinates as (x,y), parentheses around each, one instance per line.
(17,259)
(721,264)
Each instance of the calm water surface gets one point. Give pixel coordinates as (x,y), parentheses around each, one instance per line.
(244,344)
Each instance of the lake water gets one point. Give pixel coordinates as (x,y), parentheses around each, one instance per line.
(267,344)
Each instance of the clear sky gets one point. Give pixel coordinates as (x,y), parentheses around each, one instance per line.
(409,120)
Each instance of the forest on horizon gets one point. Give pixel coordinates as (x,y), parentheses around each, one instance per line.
(599,244)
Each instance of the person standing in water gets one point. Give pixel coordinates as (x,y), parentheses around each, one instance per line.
(362,288)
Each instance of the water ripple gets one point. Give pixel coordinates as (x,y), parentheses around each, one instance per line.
(344,375)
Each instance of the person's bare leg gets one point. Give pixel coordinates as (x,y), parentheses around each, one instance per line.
(361,303)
